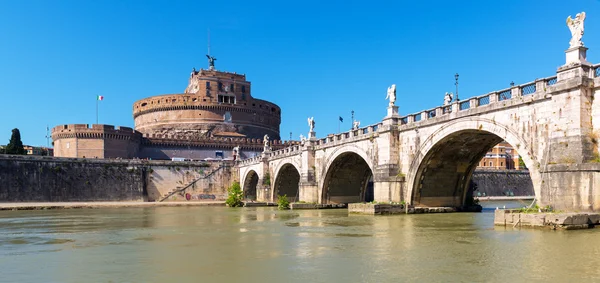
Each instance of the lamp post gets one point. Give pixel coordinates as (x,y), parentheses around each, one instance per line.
(352,126)
(456,84)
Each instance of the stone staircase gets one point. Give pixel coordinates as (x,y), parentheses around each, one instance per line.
(182,189)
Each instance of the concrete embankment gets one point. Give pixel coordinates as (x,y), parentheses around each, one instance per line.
(52,179)
(552,220)
(74,205)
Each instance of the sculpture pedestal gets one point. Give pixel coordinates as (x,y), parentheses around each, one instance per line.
(392,111)
(576,55)
(312,135)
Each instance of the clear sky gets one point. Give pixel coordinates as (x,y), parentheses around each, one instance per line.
(312,58)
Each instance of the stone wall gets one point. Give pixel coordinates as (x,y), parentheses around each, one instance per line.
(47,179)
(52,179)
(503,182)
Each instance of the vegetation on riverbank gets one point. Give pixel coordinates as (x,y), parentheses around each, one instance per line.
(234,198)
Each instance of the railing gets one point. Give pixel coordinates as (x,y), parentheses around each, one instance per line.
(528,89)
(487,99)
(484,100)
(597,71)
(447,109)
(505,95)
(430,113)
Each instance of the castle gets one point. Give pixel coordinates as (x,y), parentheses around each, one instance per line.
(214,114)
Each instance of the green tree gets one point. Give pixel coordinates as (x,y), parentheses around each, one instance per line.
(15,145)
(235,195)
(521,163)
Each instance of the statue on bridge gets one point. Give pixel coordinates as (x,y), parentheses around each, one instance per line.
(391,94)
(576,28)
(302,139)
(266,143)
(448,98)
(311,124)
(236,152)
(355,125)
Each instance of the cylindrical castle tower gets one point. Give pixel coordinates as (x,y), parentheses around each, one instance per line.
(215,104)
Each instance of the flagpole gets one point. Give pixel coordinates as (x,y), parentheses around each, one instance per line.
(96,109)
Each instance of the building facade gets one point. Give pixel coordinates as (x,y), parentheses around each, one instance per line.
(501,156)
(215,113)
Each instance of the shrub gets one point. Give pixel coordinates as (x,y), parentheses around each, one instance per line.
(234,198)
(283,202)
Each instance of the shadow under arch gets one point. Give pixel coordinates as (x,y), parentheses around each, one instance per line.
(441,172)
(287,182)
(250,184)
(348,179)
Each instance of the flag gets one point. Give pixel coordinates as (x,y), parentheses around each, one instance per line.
(100,97)
(341,119)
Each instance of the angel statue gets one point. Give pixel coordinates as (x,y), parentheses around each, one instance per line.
(211,62)
(448,98)
(266,142)
(311,124)
(302,139)
(576,28)
(355,125)
(236,152)
(391,94)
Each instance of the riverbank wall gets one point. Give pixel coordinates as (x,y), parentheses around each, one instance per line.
(502,183)
(52,179)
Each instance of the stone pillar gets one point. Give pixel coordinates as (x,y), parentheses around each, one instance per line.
(308,187)
(387,186)
(493,97)
(540,85)
(473,103)
(515,91)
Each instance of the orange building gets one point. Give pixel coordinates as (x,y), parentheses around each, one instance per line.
(501,156)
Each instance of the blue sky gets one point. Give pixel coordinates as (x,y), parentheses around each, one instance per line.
(312,58)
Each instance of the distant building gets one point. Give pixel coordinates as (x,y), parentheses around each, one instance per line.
(38,150)
(501,156)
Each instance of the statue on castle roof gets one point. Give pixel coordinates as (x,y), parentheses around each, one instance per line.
(391,94)
(576,28)
(236,152)
(311,124)
(211,62)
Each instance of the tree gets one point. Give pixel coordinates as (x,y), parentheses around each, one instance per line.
(521,163)
(15,145)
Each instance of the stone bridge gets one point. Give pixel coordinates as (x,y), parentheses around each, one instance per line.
(427,158)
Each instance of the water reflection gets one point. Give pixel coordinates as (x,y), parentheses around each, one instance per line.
(217,244)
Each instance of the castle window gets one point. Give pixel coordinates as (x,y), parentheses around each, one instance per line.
(226,99)
(243,96)
(243,89)
(501,163)
(144,104)
(207,85)
(220,86)
(231,88)
(272,109)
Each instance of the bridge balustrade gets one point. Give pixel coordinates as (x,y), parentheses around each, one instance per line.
(464,105)
(505,95)
(597,71)
(528,89)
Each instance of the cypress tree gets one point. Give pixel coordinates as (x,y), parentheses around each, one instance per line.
(15,146)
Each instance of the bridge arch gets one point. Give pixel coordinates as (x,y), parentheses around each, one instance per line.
(346,176)
(250,185)
(441,170)
(287,181)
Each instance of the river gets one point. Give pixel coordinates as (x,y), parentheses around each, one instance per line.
(219,244)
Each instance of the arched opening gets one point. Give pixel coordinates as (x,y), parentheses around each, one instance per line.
(250,184)
(348,179)
(287,183)
(444,175)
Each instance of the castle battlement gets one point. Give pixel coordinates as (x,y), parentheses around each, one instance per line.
(94,131)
